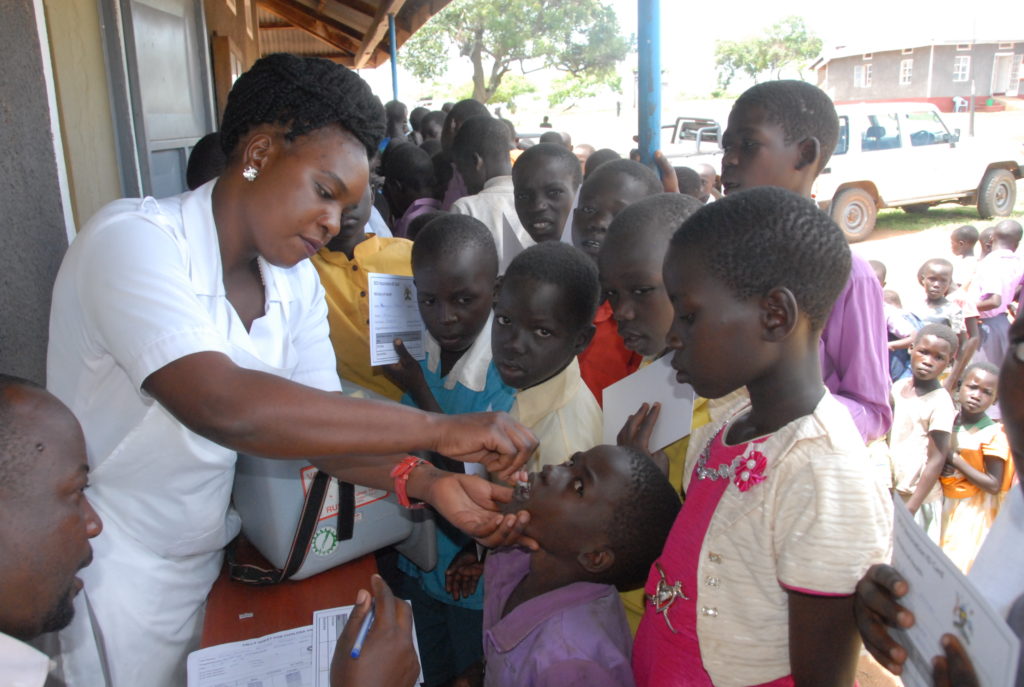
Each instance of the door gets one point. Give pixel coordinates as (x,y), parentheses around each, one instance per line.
(1002,68)
(1014,86)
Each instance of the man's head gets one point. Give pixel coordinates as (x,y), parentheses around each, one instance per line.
(408,176)
(431,125)
(560,138)
(689,182)
(598,158)
(45,519)
(543,316)
(604,194)
(397,119)
(630,268)
(459,113)
(880,272)
(780,133)
(455,267)
(481,151)
(708,176)
(935,346)
(962,240)
(1007,234)
(416,117)
(545,179)
(986,238)
(604,513)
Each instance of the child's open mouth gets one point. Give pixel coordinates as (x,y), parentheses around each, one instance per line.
(523,488)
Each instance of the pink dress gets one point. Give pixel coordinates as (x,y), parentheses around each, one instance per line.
(661,657)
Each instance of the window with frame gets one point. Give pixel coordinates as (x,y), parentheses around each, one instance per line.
(907,51)
(963,46)
(879,131)
(1005,46)
(961,67)
(925,129)
(906,72)
(862,76)
(867,56)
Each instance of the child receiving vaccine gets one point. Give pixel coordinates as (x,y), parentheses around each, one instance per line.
(455,267)
(552,616)
(782,515)
(978,473)
(542,321)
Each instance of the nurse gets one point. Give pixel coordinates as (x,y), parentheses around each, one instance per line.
(187,329)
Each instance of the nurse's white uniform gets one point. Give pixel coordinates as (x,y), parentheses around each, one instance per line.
(140,287)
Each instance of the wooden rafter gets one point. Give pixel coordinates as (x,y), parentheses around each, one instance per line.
(375,33)
(302,17)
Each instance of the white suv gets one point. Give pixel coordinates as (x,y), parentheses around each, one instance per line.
(903,155)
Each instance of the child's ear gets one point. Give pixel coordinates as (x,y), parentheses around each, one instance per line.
(596,562)
(779,314)
(810,152)
(478,163)
(583,338)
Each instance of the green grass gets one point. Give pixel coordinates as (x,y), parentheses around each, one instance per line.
(946,216)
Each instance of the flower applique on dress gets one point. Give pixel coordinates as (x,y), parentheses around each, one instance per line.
(748,469)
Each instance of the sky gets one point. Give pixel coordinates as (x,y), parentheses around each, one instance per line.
(690,31)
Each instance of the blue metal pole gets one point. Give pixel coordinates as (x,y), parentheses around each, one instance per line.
(394,55)
(649,77)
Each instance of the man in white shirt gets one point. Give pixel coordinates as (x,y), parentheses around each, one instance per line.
(46,523)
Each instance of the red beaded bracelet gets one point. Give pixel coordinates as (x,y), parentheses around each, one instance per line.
(400,473)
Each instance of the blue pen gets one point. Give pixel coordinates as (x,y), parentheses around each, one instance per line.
(357,648)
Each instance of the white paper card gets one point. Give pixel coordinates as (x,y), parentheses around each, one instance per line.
(393,315)
(655,383)
(327,627)
(944,601)
(282,659)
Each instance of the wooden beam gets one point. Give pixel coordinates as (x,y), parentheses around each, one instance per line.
(355,15)
(328,30)
(375,34)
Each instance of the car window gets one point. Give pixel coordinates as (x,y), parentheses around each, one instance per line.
(880,132)
(926,129)
(843,144)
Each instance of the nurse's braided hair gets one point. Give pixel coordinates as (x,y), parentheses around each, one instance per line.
(303,94)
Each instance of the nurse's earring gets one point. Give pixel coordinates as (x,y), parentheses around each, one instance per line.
(250,173)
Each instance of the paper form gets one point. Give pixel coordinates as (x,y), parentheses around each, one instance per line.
(655,383)
(394,314)
(944,601)
(282,659)
(327,627)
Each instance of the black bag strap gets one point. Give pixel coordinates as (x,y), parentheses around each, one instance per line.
(309,517)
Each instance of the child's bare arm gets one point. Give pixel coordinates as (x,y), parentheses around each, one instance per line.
(938,449)
(991,480)
(901,343)
(823,640)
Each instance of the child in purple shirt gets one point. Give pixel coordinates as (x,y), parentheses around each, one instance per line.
(553,617)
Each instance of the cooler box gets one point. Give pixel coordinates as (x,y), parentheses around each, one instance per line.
(268,495)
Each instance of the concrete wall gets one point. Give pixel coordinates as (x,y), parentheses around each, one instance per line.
(222,21)
(885,75)
(83,100)
(33,234)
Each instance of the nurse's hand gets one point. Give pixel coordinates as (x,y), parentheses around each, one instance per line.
(471,504)
(387,658)
(497,441)
(876,610)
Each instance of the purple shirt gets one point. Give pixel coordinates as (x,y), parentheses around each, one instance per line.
(855,354)
(575,636)
(418,207)
(998,272)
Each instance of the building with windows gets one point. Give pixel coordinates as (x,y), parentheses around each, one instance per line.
(939,72)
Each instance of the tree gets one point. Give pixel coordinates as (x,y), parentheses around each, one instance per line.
(787,42)
(580,37)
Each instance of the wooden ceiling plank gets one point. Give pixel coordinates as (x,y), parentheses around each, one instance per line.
(319,26)
(375,34)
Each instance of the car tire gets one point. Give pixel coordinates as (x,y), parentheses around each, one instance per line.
(997,194)
(854,210)
(916,208)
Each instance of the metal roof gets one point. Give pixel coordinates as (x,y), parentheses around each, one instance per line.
(350,32)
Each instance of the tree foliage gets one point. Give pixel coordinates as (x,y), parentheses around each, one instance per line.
(788,42)
(579,37)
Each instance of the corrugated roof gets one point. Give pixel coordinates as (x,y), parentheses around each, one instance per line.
(351,32)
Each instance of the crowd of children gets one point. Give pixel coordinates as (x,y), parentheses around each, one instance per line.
(542,279)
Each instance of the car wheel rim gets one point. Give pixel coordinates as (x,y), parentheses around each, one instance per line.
(1001,196)
(854,218)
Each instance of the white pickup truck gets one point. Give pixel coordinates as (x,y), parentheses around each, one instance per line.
(888,155)
(903,155)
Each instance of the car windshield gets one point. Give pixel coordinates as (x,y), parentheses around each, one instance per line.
(926,128)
